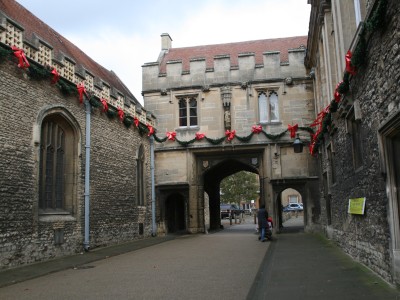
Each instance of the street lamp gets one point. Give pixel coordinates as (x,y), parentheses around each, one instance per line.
(297,145)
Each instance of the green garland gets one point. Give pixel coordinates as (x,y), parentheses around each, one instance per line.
(111,112)
(38,73)
(358,59)
(67,88)
(5,53)
(128,121)
(95,102)
(377,19)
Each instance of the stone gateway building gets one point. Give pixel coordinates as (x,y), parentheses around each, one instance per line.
(85,165)
(226,108)
(353,50)
(63,148)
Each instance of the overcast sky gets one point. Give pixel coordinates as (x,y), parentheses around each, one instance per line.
(122,35)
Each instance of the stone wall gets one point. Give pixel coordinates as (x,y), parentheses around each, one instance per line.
(27,236)
(376,86)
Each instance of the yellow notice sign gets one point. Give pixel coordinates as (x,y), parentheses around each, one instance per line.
(356,206)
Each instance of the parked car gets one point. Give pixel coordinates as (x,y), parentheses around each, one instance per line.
(293,207)
(229,210)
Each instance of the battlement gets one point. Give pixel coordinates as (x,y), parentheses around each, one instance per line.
(202,71)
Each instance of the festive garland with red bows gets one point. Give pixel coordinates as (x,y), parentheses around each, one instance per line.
(38,72)
(354,61)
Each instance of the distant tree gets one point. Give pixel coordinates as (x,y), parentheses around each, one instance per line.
(241,186)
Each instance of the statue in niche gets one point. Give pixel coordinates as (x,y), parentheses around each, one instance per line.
(227,118)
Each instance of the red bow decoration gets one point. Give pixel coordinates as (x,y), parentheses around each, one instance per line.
(105,104)
(256,129)
(22,60)
(171,135)
(81,91)
(151,130)
(199,136)
(136,121)
(56,76)
(121,113)
(230,134)
(349,67)
(337,94)
(293,130)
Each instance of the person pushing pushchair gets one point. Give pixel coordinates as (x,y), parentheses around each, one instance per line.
(264,228)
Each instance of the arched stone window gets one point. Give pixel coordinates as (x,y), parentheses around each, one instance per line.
(140,176)
(268,107)
(57,167)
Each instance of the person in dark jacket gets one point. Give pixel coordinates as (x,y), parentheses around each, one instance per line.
(262,217)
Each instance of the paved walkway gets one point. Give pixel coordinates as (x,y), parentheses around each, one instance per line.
(305,266)
(229,264)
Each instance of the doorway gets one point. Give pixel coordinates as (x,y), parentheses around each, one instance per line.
(175,213)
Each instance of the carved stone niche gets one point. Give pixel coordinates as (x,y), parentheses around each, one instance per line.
(226,96)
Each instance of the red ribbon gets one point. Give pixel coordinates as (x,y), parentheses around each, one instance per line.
(256,129)
(293,130)
(337,94)
(121,113)
(311,147)
(317,122)
(136,121)
(81,91)
(56,76)
(200,136)
(230,134)
(349,67)
(105,104)
(320,117)
(171,135)
(22,60)
(151,130)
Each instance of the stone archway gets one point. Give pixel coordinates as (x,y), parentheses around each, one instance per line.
(306,187)
(212,177)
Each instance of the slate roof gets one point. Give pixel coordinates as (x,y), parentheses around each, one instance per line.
(34,26)
(208,52)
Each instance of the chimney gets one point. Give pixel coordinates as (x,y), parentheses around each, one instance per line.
(166,41)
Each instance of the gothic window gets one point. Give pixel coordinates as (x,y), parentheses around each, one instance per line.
(188,111)
(56,167)
(140,176)
(268,107)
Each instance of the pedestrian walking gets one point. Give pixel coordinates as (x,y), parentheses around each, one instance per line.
(262,216)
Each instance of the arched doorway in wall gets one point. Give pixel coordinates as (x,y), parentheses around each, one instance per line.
(305,189)
(175,216)
(291,206)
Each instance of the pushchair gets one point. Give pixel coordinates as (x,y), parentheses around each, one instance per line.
(268,232)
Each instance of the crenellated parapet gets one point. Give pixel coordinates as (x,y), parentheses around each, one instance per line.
(182,67)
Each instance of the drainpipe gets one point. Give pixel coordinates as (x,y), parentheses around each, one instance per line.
(153,193)
(87,174)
